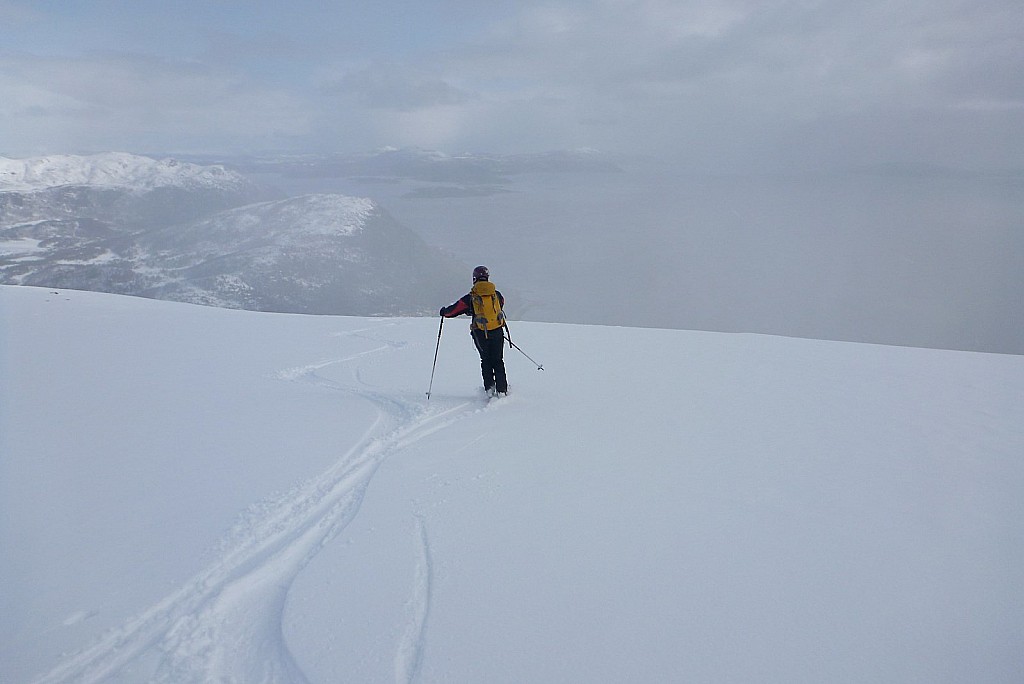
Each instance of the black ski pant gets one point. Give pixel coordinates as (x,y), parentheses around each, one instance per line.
(491,345)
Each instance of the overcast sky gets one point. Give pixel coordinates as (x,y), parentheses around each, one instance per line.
(717,83)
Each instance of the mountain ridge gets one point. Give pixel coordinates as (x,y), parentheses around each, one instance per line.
(126,224)
(111,169)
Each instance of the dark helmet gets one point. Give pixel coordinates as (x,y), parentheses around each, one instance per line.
(480,273)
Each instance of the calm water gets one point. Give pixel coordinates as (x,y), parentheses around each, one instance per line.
(935,262)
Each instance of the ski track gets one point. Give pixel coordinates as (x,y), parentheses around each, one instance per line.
(410,650)
(225,624)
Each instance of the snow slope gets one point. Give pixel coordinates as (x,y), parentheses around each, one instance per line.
(191,494)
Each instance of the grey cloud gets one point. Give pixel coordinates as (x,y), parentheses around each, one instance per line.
(748,75)
(707,81)
(396,88)
(137,102)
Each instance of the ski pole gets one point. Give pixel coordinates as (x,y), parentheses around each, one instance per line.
(508,336)
(516,347)
(436,349)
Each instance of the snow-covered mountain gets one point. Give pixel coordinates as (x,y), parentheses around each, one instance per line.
(310,254)
(113,170)
(132,225)
(50,206)
(191,494)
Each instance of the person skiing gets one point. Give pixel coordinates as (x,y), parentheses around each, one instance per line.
(484,303)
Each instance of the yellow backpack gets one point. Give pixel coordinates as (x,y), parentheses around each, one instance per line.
(487,313)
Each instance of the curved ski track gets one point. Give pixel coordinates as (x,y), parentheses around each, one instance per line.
(225,624)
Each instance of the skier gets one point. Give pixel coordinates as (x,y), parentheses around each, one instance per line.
(484,303)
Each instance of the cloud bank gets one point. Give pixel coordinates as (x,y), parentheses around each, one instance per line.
(721,85)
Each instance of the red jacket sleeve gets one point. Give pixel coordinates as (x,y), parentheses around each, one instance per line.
(460,307)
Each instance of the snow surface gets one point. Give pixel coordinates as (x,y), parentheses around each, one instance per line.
(109,169)
(191,494)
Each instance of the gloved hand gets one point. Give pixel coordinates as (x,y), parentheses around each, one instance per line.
(441,312)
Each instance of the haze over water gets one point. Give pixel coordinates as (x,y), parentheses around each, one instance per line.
(933,260)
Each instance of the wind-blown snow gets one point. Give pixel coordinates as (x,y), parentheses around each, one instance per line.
(110,169)
(192,495)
